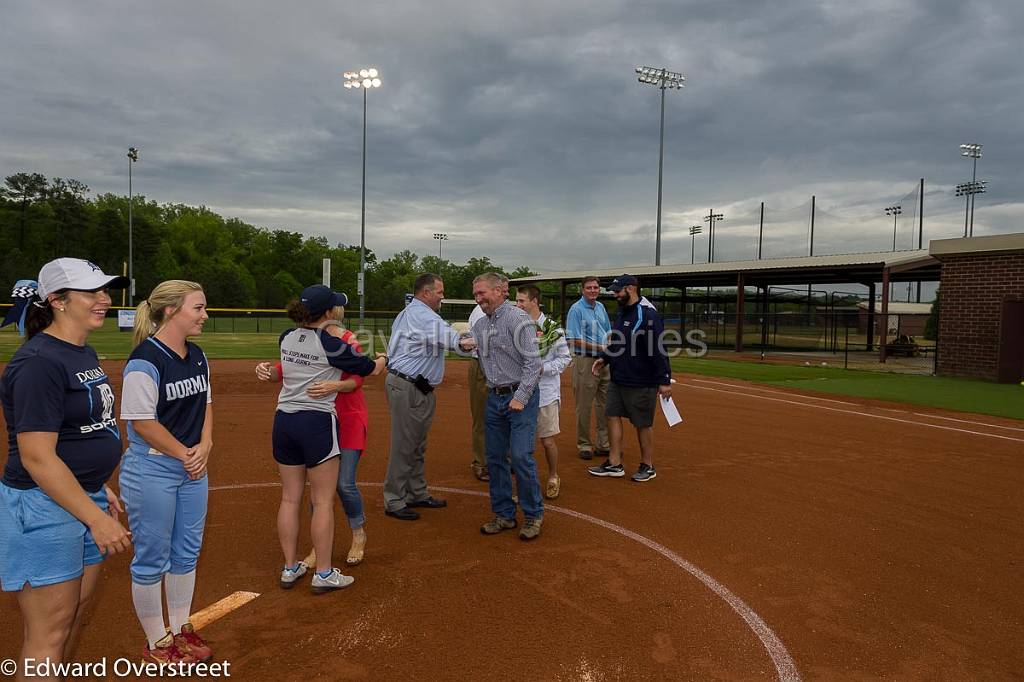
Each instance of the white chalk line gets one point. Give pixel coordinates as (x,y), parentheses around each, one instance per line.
(768,390)
(861,414)
(967,421)
(784,664)
(844,402)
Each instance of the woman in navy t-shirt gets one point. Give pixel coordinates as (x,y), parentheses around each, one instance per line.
(57,517)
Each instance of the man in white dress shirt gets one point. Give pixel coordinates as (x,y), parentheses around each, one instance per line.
(556,359)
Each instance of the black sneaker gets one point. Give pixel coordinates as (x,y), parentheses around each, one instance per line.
(586,454)
(607,469)
(645,473)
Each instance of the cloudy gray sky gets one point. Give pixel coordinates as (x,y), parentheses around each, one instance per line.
(520,129)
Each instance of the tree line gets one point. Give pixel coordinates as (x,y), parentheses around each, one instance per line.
(239,265)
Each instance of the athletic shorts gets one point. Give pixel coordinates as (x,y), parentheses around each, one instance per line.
(634,402)
(306,438)
(41,543)
(547,420)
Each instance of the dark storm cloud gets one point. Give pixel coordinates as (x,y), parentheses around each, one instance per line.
(521,130)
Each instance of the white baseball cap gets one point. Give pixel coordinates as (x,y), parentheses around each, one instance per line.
(78,274)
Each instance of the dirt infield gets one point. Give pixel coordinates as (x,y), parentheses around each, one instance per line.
(786,535)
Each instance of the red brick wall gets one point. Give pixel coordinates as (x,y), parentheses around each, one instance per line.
(973,290)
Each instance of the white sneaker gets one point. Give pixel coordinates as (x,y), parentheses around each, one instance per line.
(335,580)
(290,576)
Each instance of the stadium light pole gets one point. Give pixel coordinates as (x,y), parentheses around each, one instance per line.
(664,80)
(971,151)
(969,189)
(894,211)
(133,156)
(694,230)
(440,237)
(363,79)
(711,218)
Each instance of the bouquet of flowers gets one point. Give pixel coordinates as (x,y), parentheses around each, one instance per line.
(547,334)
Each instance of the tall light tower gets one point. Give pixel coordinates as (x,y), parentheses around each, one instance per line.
(895,212)
(133,156)
(440,237)
(694,230)
(664,80)
(363,79)
(711,218)
(971,151)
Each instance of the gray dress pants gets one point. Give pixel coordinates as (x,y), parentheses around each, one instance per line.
(411,415)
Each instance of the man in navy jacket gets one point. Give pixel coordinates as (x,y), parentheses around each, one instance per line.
(640,375)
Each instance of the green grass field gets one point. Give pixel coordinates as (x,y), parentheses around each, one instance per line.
(964,395)
(1001,400)
(222,338)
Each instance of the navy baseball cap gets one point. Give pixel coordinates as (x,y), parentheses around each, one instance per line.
(622,281)
(318,299)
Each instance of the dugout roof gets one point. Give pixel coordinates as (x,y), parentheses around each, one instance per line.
(916,265)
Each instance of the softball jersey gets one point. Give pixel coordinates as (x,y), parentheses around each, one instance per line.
(305,428)
(353,417)
(166,509)
(160,384)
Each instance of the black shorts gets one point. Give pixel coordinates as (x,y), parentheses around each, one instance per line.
(306,438)
(634,402)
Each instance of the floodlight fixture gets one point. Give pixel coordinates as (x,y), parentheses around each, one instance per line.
(362,79)
(894,211)
(970,188)
(694,230)
(971,151)
(133,157)
(664,80)
(440,237)
(711,218)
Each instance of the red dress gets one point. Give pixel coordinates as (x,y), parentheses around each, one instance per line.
(353,417)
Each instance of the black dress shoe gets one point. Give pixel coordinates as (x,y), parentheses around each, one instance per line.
(430,503)
(404,514)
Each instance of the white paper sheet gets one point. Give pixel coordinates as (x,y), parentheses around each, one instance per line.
(671,412)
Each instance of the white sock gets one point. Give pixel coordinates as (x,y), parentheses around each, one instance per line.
(149,608)
(179,598)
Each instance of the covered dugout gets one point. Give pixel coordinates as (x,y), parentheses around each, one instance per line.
(869,269)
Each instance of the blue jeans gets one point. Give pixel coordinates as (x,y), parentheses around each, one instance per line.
(510,435)
(351,500)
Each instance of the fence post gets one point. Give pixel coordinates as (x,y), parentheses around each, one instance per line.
(846,346)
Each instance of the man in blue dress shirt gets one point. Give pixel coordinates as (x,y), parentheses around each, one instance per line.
(419,340)
(586,329)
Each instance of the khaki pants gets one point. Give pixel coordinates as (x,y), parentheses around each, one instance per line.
(591,393)
(478,409)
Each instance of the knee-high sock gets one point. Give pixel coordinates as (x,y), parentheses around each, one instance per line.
(149,607)
(179,598)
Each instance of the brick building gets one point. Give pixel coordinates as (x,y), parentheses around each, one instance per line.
(981,318)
